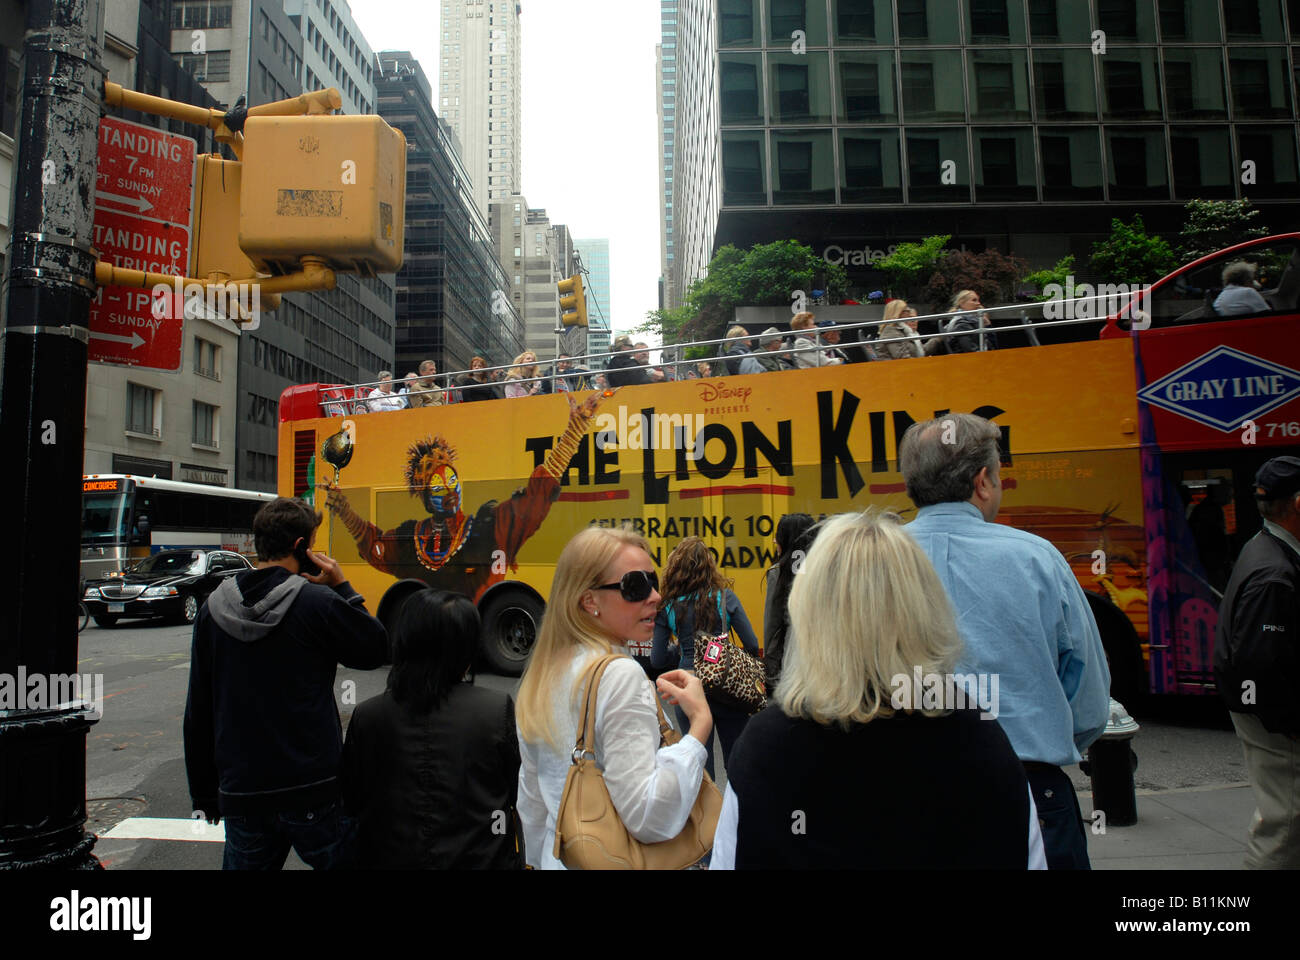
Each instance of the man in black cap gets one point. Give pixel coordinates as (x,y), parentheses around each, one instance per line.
(1257,664)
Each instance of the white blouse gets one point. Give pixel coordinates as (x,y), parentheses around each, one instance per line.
(653,789)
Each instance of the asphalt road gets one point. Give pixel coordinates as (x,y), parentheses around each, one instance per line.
(135,764)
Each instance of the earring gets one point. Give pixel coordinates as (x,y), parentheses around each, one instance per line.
(595,613)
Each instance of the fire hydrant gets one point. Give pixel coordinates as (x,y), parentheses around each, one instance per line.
(1110,766)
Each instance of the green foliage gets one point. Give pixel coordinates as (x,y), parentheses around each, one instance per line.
(1212,225)
(991,274)
(1131,255)
(1059,275)
(765,275)
(911,263)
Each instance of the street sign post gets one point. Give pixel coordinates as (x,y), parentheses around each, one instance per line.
(143,221)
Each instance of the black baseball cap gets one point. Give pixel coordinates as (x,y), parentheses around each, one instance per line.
(1277,479)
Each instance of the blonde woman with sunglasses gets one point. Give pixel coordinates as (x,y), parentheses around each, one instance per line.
(605,594)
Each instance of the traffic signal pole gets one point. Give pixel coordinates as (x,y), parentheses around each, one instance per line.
(49,285)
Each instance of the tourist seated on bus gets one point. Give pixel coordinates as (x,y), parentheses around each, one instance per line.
(1239,296)
(807,353)
(525,369)
(477,384)
(765,359)
(736,351)
(569,378)
(383,397)
(867,613)
(653,374)
(968,315)
(432,761)
(625,370)
(900,327)
(423,391)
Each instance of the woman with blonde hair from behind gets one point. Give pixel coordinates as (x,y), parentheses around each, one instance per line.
(885,762)
(900,328)
(605,594)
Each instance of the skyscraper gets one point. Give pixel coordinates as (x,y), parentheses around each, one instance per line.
(478,91)
(448,306)
(595,257)
(666,70)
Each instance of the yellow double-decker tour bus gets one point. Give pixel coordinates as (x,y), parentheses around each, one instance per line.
(1122,450)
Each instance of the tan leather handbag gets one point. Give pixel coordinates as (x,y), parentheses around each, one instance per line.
(589,835)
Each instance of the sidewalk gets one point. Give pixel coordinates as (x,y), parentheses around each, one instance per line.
(1197,828)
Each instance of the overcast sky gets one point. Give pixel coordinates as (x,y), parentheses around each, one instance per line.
(590,130)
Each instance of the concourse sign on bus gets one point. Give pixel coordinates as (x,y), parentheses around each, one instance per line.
(143,221)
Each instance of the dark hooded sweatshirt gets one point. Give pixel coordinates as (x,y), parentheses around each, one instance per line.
(262,731)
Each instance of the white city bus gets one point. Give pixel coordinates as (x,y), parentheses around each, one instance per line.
(125,518)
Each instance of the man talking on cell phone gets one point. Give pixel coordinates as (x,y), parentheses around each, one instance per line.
(263,739)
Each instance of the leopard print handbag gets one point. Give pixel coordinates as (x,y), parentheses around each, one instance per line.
(729,674)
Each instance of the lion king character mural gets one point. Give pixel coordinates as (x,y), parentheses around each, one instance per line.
(448,549)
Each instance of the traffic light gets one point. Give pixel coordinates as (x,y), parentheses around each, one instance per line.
(333,187)
(573,302)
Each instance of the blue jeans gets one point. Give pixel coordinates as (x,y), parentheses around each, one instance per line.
(322,836)
(1065,842)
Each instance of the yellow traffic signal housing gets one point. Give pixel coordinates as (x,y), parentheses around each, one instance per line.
(573,302)
(332,187)
(216,220)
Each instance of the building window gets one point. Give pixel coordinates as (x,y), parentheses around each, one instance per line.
(742,169)
(871,172)
(10,103)
(205,424)
(207,359)
(740,91)
(200,15)
(1260,86)
(867,87)
(1127,20)
(787,16)
(1194,83)
(995,21)
(737,24)
(929,21)
(863,21)
(1059,21)
(210,67)
(1064,84)
(1190,20)
(1131,81)
(143,410)
(1202,159)
(1071,164)
(1138,164)
(1273,151)
(931,153)
(1005,161)
(805,167)
(932,85)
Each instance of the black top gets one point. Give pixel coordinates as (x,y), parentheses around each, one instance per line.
(624,371)
(472,390)
(261,725)
(909,792)
(435,790)
(1255,647)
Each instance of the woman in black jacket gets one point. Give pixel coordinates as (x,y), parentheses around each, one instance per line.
(431,766)
(794,536)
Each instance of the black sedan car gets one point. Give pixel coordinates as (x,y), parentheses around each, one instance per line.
(171,584)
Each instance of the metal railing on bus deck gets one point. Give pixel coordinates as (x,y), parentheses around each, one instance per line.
(349,400)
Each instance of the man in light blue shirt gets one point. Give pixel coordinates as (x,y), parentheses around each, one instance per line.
(1021,613)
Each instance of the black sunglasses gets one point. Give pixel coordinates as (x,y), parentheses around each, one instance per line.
(635,586)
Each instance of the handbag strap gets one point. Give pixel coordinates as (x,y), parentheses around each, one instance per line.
(587,722)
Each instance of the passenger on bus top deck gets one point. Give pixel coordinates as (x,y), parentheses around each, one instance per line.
(1239,296)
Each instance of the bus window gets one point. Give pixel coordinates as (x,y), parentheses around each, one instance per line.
(141,532)
(103,518)
(1210,511)
(1190,297)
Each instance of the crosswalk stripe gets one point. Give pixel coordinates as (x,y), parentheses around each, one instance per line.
(160,828)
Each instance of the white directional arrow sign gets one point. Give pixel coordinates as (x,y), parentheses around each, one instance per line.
(134,340)
(140,203)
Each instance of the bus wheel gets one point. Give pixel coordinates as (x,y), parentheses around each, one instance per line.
(510,624)
(106,621)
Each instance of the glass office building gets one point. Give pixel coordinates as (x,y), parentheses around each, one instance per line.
(1024,125)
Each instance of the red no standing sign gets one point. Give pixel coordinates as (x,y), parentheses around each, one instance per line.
(143,220)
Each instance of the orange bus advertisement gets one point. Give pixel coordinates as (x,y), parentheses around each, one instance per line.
(722,459)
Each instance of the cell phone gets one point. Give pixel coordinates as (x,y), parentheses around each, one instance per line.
(305,562)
